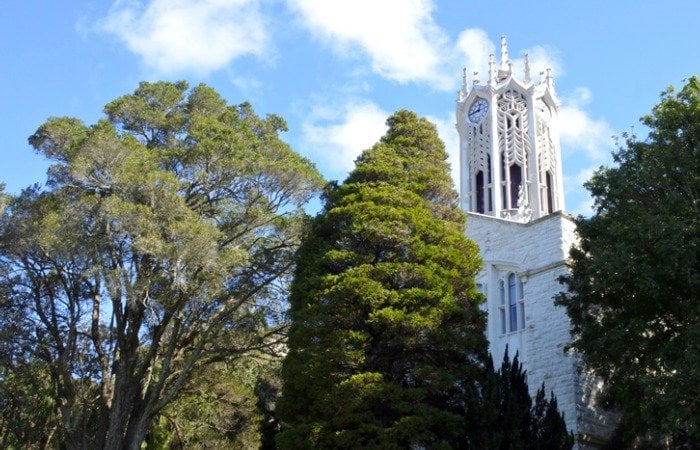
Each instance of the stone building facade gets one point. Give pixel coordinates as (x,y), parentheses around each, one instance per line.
(511,187)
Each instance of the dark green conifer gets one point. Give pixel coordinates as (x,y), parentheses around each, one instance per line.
(387,339)
(511,421)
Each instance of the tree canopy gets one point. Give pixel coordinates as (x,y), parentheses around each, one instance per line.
(633,290)
(387,337)
(162,243)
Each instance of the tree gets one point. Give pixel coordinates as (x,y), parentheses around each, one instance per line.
(27,400)
(219,407)
(387,339)
(510,421)
(27,406)
(162,244)
(548,427)
(633,290)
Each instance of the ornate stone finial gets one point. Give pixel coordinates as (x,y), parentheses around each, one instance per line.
(476,77)
(462,92)
(521,196)
(528,79)
(524,213)
(550,79)
(492,70)
(504,52)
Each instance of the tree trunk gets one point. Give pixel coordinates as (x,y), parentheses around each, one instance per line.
(137,432)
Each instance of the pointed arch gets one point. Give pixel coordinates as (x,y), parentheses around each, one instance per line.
(514,145)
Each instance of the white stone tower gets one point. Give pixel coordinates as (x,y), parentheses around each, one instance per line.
(512,190)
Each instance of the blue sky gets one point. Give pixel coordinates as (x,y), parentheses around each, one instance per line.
(336,69)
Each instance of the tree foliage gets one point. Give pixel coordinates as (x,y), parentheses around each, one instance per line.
(510,420)
(387,338)
(162,244)
(633,290)
(221,407)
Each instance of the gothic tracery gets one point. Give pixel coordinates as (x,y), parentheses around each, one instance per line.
(513,146)
(513,140)
(512,166)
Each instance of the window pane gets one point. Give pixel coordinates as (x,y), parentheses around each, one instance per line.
(512,303)
(550,197)
(512,296)
(503,167)
(480,192)
(516,179)
(521,290)
(488,169)
(502,312)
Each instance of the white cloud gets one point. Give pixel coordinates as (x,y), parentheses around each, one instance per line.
(400,36)
(248,86)
(574,181)
(541,59)
(579,98)
(579,201)
(446,130)
(587,143)
(475,47)
(580,131)
(335,137)
(193,35)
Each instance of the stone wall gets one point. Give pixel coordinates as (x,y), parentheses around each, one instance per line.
(537,252)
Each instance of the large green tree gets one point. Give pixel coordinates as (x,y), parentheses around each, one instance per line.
(162,243)
(634,288)
(387,337)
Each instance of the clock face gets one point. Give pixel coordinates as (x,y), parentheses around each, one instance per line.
(478,110)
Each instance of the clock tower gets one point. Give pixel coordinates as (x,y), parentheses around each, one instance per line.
(511,161)
(511,188)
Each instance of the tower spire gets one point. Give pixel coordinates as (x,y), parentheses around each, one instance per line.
(528,79)
(504,53)
(505,69)
(462,92)
(549,78)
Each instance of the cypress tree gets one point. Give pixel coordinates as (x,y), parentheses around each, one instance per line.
(548,426)
(387,339)
(510,421)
